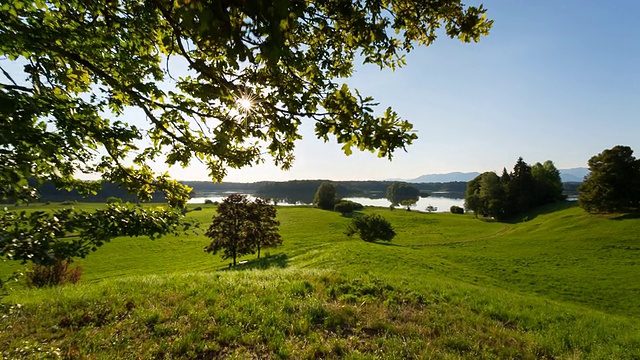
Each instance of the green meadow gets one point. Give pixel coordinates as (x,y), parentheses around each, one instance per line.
(562,284)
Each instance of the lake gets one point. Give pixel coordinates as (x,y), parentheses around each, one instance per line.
(440,202)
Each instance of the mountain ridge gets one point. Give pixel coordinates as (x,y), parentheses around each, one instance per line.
(566,175)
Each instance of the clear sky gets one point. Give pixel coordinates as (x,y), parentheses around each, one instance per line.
(555,80)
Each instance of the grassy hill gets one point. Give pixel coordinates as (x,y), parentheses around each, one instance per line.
(561,285)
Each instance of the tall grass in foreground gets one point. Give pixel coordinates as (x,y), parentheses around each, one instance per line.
(291,313)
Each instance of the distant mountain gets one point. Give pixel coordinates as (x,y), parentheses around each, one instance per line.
(567,175)
(448,177)
(573,175)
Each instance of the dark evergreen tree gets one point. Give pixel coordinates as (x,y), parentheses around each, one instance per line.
(521,188)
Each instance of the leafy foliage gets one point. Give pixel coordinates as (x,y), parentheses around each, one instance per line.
(48,237)
(263,225)
(512,193)
(408,203)
(614,182)
(325,197)
(371,228)
(345,207)
(114,200)
(242,228)
(548,184)
(255,71)
(400,191)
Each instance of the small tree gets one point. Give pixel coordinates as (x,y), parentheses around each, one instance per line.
(228,230)
(242,228)
(325,197)
(371,228)
(263,225)
(399,191)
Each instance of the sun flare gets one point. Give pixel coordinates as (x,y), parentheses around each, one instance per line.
(245,104)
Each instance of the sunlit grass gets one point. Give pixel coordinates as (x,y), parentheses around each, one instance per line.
(563,284)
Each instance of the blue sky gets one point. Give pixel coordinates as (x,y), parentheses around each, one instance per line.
(554,80)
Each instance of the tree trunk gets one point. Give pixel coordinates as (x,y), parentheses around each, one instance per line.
(258,250)
(234,257)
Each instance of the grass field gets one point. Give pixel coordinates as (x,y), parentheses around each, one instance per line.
(561,285)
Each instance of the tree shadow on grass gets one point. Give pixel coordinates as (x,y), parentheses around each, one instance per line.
(383,243)
(628,216)
(270,261)
(540,210)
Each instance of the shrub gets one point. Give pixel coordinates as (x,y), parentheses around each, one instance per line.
(208,202)
(114,200)
(57,274)
(68,202)
(371,228)
(456,209)
(347,206)
(197,208)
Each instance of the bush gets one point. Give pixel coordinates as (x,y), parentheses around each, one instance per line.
(456,209)
(208,202)
(197,208)
(371,228)
(69,202)
(347,206)
(114,200)
(57,274)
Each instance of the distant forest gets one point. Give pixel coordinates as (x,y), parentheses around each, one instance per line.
(295,191)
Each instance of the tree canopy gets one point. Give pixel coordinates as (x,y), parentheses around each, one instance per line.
(226,83)
(402,193)
(614,182)
(242,227)
(325,197)
(50,237)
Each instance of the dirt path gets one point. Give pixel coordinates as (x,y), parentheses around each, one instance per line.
(506,228)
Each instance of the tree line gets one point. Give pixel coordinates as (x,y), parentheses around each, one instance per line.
(514,192)
(612,186)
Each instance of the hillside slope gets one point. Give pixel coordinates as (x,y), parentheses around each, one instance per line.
(560,285)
